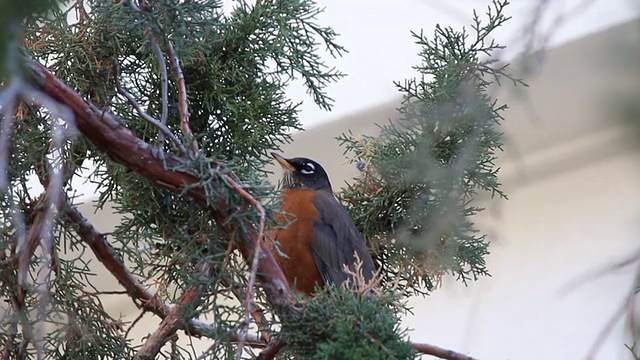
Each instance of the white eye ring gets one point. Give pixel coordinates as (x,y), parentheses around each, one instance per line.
(306,166)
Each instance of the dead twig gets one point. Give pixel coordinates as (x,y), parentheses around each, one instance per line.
(150,119)
(272,349)
(7,115)
(248,301)
(175,319)
(143,298)
(256,312)
(164,87)
(633,259)
(134,322)
(182,97)
(625,308)
(440,352)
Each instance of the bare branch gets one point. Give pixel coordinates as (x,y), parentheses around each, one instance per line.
(162,64)
(134,322)
(160,125)
(248,302)
(143,298)
(440,352)
(7,115)
(182,97)
(272,349)
(175,320)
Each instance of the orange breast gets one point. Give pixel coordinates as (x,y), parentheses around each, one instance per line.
(299,267)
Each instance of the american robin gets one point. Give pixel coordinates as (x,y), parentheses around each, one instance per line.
(322,238)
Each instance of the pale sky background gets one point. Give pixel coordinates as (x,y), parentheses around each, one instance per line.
(377,35)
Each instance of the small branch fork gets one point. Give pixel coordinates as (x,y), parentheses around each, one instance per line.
(155,31)
(106,254)
(175,320)
(183,106)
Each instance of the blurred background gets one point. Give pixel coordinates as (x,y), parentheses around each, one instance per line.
(571,170)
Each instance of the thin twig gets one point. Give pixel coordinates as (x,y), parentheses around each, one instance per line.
(176,318)
(272,349)
(61,116)
(256,312)
(440,352)
(155,122)
(182,97)
(134,322)
(162,65)
(7,115)
(598,273)
(248,302)
(625,307)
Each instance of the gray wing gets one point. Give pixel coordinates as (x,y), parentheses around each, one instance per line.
(336,241)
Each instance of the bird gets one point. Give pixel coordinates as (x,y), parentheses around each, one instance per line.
(321,237)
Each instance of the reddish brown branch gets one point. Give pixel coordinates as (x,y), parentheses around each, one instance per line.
(272,349)
(256,312)
(108,133)
(143,298)
(174,321)
(183,107)
(440,352)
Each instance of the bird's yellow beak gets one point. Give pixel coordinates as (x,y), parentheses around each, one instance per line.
(282,161)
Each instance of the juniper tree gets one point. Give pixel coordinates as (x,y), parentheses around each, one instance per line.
(171,108)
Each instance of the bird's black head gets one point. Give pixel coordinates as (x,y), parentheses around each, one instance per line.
(302,173)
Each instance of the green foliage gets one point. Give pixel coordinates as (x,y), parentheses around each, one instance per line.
(13,13)
(414,200)
(339,324)
(236,67)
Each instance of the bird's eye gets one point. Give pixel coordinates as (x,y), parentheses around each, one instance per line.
(307,168)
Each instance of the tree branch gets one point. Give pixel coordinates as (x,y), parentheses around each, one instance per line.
(109,134)
(182,97)
(143,298)
(272,349)
(161,125)
(175,320)
(440,352)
